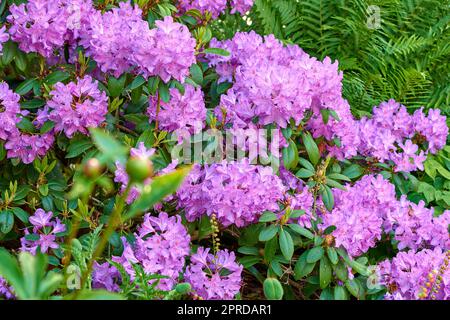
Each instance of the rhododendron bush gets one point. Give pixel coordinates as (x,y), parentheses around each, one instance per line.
(143,158)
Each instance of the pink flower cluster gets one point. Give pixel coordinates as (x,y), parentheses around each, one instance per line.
(408,272)
(214,276)
(184,111)
(369,208)
(392,134)
(161,247)
(44,26)
(25,146)
(236,192)
(75,107)
(119,40)
(215,7)
(46,229)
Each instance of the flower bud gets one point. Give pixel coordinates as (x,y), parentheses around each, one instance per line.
(93,168)
(139,169)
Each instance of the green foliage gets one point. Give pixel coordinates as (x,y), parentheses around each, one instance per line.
(404,58)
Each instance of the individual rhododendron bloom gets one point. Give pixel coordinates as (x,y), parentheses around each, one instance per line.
(38,25)
(105,276)
(77,106)
(168,53)
(408,273)
(184,111)
(9,111)
(358,213)
(46,233)
(392,134)
(236,192)
(4,36)
(214,276)
(161,247)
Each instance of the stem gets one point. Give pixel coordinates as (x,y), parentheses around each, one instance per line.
(114,221)
(158,107)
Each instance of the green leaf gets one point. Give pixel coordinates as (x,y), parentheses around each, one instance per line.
(249,250)
(341,271)
(116,86)
(340,293)
(314,254)
(161,187)
(268,217)
(338,176)
(354,171)
(304,173)
(353,287)
(6,221)
(311,148)
(249,261)
(136,83)
(335,184)
(290,155)
(324,272)
(270,249)
(268,232)
(196,74)
(26,86)
(302,267)
(47,126)
(26,125)
(217,51)
(98,295)
(163,91)
(305,163)
(273,289)
(327,198)
(9,51)
(286,244)
(109,146)
(21,214)
(332,255)
(9,269)
(300,230)
(77,147)
(56,76)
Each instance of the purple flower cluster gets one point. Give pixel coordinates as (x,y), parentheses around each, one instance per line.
(119,40)
(46,230)
(105,276)
(358,213)
(408,272)
(161,247)
(18,144)
(76,106)
(184,111)
(214,277)
(237,192)
(4,36)
(273,83)
(44,26)
(168,52)
(9,111)
(369,208)
(215,7)
(415,226)
(5,290)
(392,134)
